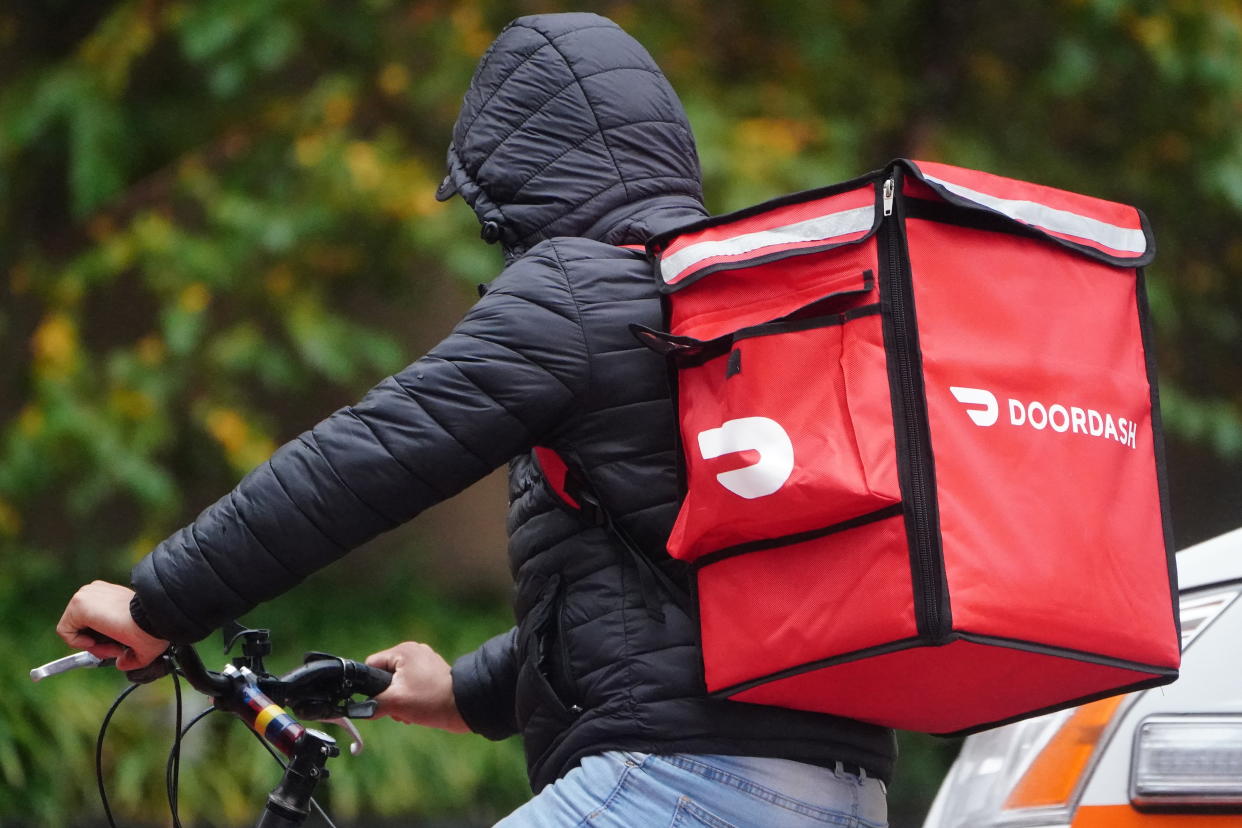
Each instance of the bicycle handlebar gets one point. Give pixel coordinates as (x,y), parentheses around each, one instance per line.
(322,688)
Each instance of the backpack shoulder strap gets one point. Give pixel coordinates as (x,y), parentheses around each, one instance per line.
(574,493)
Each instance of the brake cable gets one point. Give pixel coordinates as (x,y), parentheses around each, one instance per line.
(99,742)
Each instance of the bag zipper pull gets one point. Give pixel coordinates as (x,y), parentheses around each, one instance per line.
(890,188)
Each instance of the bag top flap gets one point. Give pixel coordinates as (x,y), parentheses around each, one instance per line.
(817,220)
(808,222)
(1117,234)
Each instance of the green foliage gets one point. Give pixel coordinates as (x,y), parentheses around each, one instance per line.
(216,220)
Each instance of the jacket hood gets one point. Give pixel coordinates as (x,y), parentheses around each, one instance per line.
(569,128)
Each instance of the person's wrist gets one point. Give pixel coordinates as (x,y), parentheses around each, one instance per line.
(449,715)
(139,614)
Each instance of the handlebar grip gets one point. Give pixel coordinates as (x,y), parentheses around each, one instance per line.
(367,680)
(98,637)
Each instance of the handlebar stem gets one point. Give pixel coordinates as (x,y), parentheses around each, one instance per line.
(288,805)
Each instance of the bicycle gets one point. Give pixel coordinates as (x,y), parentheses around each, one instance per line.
(322,689)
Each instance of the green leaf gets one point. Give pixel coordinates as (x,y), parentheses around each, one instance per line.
(97,151)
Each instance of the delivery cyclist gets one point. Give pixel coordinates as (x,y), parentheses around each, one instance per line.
(570,146)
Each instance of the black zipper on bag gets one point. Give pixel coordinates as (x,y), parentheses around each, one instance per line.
(912,434)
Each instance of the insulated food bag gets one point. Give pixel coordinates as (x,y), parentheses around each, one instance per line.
(923,472)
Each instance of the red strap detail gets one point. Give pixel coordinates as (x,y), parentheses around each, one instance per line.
(556,472)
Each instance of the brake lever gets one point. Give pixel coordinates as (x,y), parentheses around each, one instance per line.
(143,675)
(69,662)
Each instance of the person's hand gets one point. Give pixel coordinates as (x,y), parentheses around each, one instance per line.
(103,608)
(422,687)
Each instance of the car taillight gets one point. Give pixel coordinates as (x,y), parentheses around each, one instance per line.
(1188,762)
(1050,780)
(1001,777)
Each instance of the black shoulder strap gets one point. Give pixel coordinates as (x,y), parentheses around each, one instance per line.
(575,494)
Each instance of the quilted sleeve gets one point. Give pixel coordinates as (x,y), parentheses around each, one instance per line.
(484,682)
(508,373)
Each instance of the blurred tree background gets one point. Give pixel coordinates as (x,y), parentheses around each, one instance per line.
(217,225)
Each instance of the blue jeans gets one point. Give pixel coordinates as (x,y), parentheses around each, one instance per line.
(639,790)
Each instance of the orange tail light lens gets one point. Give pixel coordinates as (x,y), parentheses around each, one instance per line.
(1052,776)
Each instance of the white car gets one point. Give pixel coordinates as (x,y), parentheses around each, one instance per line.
(1169,757)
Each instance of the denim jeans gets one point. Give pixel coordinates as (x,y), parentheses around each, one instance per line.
(639,790)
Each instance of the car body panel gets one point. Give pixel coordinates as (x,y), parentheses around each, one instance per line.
(1214,561)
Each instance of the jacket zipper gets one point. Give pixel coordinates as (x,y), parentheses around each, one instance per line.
(920,477)
(567,678)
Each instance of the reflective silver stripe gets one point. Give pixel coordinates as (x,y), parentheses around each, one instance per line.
(820,228)
(1052,219)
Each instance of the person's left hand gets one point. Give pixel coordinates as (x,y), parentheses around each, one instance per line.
(422,687)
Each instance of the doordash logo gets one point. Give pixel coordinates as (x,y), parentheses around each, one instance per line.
(984,416)
(759,434)
(984,410)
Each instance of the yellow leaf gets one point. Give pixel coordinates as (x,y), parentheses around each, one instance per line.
(30,421)
(10,520)
(55,344)
(118,252)
(1153,31)
(245,446)
(143,544)
(308,150)
(774,137)
(195,298)
(151,350)
(228,429)
(131,404)
(257,449)
(393,79)
(116,43)
(154,231)
(469,24)
(364,166)
(416,202)
(338,109)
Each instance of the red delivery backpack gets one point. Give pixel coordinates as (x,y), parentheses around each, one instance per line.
(923,471)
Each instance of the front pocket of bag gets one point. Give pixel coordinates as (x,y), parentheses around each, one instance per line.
(787,433)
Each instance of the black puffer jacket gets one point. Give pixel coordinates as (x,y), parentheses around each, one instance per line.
(570,143)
